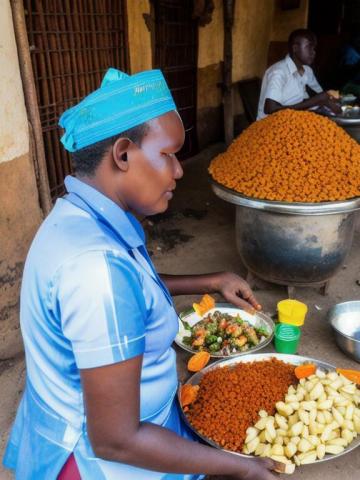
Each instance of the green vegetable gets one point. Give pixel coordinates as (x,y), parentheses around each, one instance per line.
(214,347)
(210,339)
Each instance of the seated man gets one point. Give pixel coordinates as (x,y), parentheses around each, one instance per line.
(291,83)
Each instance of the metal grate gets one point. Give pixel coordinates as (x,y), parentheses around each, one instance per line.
(72,44)
(176,50)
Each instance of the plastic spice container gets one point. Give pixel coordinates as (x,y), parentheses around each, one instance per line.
(292,312)
(287,338)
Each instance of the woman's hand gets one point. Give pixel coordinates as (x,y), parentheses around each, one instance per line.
(236,291)
(259,469)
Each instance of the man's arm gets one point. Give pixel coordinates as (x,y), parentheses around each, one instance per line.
(318,100)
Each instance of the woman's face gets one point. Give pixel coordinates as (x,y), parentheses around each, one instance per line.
(153,168)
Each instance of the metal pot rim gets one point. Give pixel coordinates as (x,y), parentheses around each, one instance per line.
(321,208)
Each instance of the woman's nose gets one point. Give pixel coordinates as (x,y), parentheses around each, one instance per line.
(178,170)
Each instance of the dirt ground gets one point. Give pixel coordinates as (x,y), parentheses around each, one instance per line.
(196,235)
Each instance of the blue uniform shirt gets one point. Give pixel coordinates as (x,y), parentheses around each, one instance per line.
(90,297)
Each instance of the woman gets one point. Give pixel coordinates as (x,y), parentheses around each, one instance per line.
(97,320)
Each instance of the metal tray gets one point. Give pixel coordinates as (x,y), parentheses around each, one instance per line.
(293,359)
(259,319)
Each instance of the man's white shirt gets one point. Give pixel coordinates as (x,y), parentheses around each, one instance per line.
(283,83)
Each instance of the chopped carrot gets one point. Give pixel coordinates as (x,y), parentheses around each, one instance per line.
(303,371)
(188,394)
(198,361)
(352,375)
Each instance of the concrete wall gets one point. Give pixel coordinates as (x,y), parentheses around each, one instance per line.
(285,21)
(252,30)
(20,216)
(209,76)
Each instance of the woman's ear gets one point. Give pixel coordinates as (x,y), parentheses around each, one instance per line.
(120,153)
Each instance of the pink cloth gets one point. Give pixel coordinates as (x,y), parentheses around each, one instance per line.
(70,470)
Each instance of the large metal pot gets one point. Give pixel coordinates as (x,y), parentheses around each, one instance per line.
(292,243)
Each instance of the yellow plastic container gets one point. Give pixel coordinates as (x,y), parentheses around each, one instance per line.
(292,312)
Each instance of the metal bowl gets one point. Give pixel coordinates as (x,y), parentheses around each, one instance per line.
(293,359)
(345,320)
(292,243)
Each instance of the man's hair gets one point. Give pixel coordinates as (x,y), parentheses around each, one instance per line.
(86,160)
(296,35)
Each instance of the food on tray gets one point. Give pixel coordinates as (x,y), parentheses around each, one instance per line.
(291,156)
(353,375)
(305,370)
(318,416)
(229,399)
(188,394)
(224,333)
(206,303)
(334,94)
(261,408)
(198,361)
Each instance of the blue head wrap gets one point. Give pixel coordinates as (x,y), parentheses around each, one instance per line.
(122,102)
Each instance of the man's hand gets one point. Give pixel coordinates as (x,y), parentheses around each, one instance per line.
(236,291)
(324,99)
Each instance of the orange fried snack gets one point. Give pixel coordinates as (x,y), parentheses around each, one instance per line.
(291,156)
(352,375)
(198,361)
(304,371)
(206,303)
(188,394)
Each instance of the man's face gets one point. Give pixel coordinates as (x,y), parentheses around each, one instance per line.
(153,167)
(305,50)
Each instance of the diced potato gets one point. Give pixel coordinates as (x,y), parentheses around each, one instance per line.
(308,457)
(328,416)
(304,445)
(337,416)
(281,421)
(283,409)
(251,433)
(279,440)
(260,449)
(337,441)
(308,405)
(320,417)
(291,398)
(262,437)
(295,440)
(356,422)
(314,440)
(263,413)
(304,416)
(294,418)
(261,424)
(334,449)
(290,449)
(325,405)
(337,383)
(270,428)
(320,451)
(316,391)
(296,429)
(347,435)
(252,446)
(277,450)
(266,451)
(305,432)
(349,424)
(349,412)
(350,388)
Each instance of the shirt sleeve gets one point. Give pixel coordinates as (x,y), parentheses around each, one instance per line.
(274,86)
(312,82)
(101,306)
